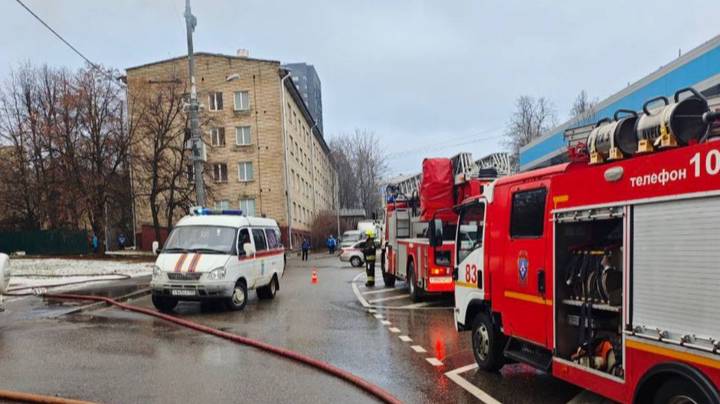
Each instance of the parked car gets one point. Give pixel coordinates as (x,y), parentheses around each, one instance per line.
(352,254)
(350,237)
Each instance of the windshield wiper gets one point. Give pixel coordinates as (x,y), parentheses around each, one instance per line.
(208,250)
(174,249)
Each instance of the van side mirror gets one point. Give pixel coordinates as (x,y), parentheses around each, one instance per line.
(155,247)
(249,249)
(435,232)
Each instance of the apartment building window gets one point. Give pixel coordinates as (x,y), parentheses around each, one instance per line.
(242,101)
(248,206)
(190,172)
(220,172)
(218,137)
(242,136)
(222,204)
(245,171)
(215,101)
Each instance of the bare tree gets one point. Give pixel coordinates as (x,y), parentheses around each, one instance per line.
(532,118)
(583,107)
(67,144)
(360,162)
(162,169)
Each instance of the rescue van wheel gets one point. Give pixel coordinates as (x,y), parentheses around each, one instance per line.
(239,298)
(163,303)
(268,291)
(355,261)
(680,391)
(415,293)
(487,344)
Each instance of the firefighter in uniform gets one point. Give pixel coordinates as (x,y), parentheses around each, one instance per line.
(369,255)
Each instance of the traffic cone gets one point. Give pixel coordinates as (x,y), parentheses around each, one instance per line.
(314,278)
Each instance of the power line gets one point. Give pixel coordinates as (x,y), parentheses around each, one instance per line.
(74,49)
(441,146)
(57,35)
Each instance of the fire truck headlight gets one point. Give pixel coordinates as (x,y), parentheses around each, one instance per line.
(216,274)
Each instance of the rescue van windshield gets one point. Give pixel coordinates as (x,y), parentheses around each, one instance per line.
(204,239)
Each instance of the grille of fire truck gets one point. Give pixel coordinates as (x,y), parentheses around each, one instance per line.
(184,276)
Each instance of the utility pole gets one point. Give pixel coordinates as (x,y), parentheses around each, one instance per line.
(193,109)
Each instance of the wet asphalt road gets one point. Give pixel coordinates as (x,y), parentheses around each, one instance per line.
(109,355)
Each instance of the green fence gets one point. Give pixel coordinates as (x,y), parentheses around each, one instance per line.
(45,242)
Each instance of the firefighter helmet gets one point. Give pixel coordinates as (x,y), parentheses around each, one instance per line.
(370,233)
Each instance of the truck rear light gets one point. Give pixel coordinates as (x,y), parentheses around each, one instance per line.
(440,271)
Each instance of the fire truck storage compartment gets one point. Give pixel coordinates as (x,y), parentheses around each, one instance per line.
(588,288)
(675,271)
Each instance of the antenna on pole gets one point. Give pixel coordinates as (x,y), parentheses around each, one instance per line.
(193,108)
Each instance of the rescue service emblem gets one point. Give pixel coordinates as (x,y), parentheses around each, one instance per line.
(523,263)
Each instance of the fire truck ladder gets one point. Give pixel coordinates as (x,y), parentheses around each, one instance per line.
(499,161)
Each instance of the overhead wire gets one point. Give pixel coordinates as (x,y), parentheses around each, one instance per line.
(69,45)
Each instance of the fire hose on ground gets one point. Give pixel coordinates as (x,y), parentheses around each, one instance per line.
(325,367)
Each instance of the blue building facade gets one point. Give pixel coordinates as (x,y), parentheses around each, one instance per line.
(699,68)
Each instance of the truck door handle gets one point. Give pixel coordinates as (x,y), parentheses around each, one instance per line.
(541,281)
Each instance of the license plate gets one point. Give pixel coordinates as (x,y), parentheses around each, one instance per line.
(182,292)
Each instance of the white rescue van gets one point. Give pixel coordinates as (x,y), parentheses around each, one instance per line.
(218,254)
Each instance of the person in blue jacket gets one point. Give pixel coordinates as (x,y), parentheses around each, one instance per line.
(305,248)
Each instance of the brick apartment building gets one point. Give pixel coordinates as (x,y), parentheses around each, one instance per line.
(265,153)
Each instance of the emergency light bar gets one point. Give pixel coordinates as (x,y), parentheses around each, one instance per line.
(201,211)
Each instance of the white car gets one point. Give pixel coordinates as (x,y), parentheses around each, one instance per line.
(352,254)
(218,254)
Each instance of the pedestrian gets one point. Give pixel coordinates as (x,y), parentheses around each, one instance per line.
(121,241)
(333,244)
(95,243)
(328,244)
(305,248)
(369,249)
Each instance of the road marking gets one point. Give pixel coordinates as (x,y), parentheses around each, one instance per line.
(405,338)
(357,292)
(394,329)
(418,348)
(378,316)
(415,305)
(454,375)
(434,361)
(385,322)
(384,299)
(373,292)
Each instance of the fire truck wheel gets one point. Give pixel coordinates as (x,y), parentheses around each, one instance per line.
(415,292)
(238,300)
(164,304)
(355,261)
(487,344)
(268,291)
(680,391)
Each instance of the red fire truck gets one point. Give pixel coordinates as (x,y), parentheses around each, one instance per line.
(411,203)
(604,271)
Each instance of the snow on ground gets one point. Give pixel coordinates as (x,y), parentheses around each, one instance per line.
(72,270)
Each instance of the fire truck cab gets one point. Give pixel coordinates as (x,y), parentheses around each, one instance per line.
(603,272)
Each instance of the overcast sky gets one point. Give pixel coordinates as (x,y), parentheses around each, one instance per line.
(431,78)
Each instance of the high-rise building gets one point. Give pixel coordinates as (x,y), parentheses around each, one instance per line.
(307,81)
(264,152)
